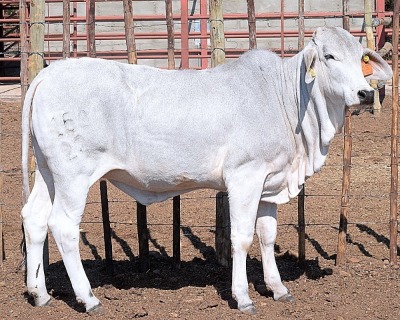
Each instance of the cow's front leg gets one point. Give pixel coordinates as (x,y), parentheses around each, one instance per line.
(266,229)
(244,197)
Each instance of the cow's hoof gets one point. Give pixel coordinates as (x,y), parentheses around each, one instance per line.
(286,298)
(40,301)
(96,310)
(248,309)
(43,304)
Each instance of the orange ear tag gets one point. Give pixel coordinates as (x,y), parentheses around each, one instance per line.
(366,66)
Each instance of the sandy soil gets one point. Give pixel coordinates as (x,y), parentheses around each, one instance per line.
(365,287)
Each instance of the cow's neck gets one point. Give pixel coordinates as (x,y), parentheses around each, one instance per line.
(314,126)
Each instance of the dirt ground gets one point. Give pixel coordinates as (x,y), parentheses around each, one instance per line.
(365,287)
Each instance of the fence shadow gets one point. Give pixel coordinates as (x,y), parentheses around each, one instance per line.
(378,237)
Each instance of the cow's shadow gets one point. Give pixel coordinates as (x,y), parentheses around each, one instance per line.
(199,272)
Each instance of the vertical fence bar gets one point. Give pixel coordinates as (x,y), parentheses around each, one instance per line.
(348,140)
(176,201)
(184,34)
(346,17)
(301,227)
(394,138)
(91,27)
(1,200)
(36,58)
(301,231)
(75,33)
(368,9)
(106,227)
(23,33)
(176,238)
(66,29)
(35,64)
(252,24)
(170,32)
(341,246)
(143,234)
(380,30)
(129,31)
(203,32)
(301,25)
(217,35)
(222,230)
(222,233)
(282,28)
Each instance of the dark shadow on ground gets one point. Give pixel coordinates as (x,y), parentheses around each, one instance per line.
(199,272)
(379,237)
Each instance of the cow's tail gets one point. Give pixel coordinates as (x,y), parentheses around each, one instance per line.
(26,120)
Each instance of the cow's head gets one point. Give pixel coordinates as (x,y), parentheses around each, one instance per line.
(334,57)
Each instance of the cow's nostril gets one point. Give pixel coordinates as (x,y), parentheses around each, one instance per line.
(366,96)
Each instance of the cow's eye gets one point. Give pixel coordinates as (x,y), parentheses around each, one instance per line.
(329,56)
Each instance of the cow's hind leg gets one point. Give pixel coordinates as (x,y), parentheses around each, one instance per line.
(266,229)
(66,215)
(35,215)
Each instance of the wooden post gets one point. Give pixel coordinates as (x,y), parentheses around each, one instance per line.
(24,49)
(223,232)
(176,239)
(176,201)
(301,25)
(301,227)
(345,189)
(143,235)
(129,32)
(217,39)
(66,29)
(252,24)
(368,7)
(106,227)
(170,31)
(1,201)
(36,58)
(394,137)
(346,17)
(91,27)
(217,33)
(301,231)
(346,168)
(35,65)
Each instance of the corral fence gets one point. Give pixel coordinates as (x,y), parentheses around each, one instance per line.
(195,34)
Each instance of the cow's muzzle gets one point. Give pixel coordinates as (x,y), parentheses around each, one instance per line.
(366,96)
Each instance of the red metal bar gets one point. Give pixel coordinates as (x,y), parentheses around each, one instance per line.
(204,35)
(282,16)
(229,16)
(380,30)
(184,34)
(193,35)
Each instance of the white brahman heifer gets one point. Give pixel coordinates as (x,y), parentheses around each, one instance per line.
(256,127)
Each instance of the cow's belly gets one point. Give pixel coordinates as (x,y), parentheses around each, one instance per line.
(150,188)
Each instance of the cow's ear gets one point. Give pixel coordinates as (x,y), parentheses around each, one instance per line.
(380,68)
(310,55)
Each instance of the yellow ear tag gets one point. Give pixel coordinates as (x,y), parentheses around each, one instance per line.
(312,72)
(366,59)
